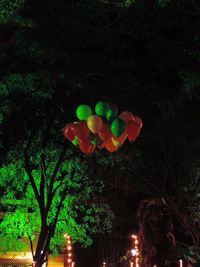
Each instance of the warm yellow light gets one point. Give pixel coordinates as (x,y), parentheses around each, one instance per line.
(135,252)
(69,248)
(26,255)
(67,236)
(134,236)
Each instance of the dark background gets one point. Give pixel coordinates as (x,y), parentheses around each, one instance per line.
(145,58)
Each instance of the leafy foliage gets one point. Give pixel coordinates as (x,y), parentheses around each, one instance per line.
(78,216)
(10,10)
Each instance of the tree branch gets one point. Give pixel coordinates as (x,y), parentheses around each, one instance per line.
(50,191)
(61,157)
(55,190)
(31,179)
(31,245)
(42,181)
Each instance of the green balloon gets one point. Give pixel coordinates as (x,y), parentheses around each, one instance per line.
(83,112)
(111,115)
(75,141)
(118,127)
(101,108)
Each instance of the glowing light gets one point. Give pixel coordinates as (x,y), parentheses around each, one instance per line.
(180,263)
(26,255)
(134,236)
(69,251)
(135,252)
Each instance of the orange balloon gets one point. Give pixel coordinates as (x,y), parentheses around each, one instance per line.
(86,146)
(105,132)
(94,123)
(112,145)
(121,139)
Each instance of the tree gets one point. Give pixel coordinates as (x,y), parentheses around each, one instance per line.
(171,172)
(47,187)
(155,233)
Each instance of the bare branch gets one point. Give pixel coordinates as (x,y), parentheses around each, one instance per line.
(31,245)
(42,181)
(31,179)
(61,157)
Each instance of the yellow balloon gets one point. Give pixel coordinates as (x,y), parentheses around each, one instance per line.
(94,123)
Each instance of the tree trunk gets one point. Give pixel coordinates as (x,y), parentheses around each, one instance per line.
(157,242)
(41,250)
(37,263)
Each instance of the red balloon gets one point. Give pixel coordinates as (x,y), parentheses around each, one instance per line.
(105,132)
(139,121)
(80,129)
(68,131)
(133,130)
(86,146)
(126,116)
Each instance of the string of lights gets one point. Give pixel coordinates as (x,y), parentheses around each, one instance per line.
(69,257)
(135,252)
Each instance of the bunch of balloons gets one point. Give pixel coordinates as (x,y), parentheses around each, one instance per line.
(103,129)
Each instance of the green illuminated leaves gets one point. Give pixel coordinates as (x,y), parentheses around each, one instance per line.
(11,243)
(18,224)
